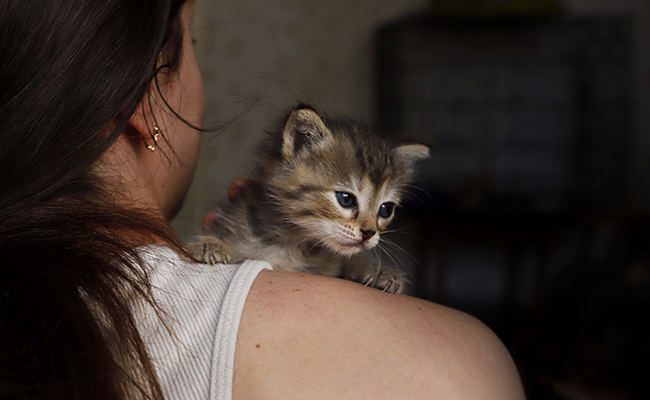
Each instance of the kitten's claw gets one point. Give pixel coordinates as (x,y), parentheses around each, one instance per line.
(211,251)
(389,281)
(368,281)
(385,279)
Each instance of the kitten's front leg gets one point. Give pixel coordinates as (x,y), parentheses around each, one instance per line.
(361,269)
(210,250)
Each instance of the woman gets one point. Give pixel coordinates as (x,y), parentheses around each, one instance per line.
(100,108)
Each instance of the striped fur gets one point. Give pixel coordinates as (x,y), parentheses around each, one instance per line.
(290,214)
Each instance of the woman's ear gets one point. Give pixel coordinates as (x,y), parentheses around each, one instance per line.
(141,131)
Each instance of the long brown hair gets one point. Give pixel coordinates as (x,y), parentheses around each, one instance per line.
(69,69)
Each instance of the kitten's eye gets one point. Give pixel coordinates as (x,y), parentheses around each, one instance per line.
(386,210)
(346,200)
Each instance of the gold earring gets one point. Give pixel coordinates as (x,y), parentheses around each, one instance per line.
(155,139)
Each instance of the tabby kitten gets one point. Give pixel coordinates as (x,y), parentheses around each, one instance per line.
(322,193)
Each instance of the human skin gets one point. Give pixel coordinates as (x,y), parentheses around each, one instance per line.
(305,336)
(158,180)
(313,337)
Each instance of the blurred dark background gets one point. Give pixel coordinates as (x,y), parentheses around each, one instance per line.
(533,213)
(525,214)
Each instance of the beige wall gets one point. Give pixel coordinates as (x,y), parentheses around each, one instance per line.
(260,56)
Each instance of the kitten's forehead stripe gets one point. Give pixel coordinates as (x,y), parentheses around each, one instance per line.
(359,184)
(372,157)
(361,158)
(377,176)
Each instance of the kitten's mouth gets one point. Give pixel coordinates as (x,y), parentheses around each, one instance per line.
(353,248)
(350,249)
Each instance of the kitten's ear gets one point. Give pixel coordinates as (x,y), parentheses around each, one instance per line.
(412,153)
(304,127)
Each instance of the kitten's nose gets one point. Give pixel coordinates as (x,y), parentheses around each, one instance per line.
(367,233)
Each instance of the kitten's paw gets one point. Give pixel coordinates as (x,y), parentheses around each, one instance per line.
(210,250)
(385,279)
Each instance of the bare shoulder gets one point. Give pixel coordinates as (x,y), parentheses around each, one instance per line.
(305,336)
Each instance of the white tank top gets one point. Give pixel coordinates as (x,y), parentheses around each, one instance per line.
(203,304)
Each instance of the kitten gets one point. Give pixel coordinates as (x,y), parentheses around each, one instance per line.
(323,191)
